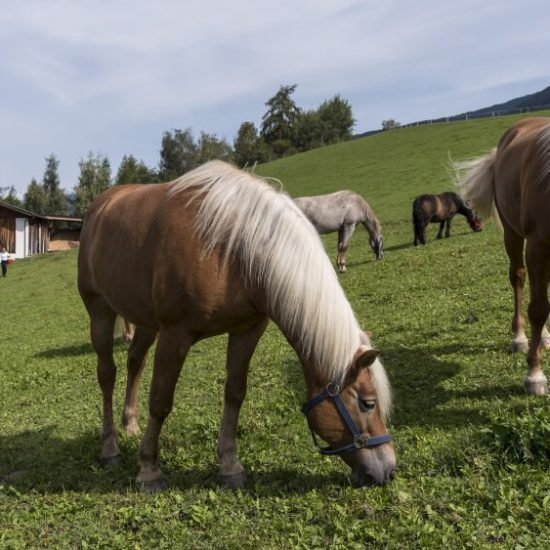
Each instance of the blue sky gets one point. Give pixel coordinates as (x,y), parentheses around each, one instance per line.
(111,76)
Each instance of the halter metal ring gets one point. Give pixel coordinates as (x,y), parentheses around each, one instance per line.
(332,389)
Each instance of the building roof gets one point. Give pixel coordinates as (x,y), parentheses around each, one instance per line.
(29,214)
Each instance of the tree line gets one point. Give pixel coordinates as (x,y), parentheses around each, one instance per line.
(286,129)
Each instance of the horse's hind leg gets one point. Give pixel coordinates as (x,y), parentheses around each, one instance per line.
(141,342)
(344,234)
(448,227)
(538,256)
(514,248)
(102,322)
(239,352)
(172,347)
(440,232)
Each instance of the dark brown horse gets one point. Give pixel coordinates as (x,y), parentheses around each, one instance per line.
(220,251)
(512,183)
(439,209)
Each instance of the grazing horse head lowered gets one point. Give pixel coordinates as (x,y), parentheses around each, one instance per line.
(440,209)
(343,211)
(220,251)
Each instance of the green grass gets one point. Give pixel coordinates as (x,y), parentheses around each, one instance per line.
(473,450)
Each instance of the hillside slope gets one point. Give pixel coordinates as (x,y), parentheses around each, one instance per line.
(390,168)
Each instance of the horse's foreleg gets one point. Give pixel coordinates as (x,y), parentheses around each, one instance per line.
(344,234)
(172,347)
(514,248)
(141,342)
(102,322)
(537,256)
(239,352)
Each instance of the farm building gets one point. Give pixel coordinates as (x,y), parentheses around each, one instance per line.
(24,233)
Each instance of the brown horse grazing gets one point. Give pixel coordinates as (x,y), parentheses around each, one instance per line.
(439,209)
(512,183)
(220,251)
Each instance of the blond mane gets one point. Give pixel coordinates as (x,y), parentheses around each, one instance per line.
(280,251)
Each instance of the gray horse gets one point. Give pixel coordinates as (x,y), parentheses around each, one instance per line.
(343,211)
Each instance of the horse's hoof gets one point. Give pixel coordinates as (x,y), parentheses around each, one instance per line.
(536,385)
(233,481)
(107,461)
(521,346)
(153,486)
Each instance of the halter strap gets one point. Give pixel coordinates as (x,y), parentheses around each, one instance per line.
(360,441)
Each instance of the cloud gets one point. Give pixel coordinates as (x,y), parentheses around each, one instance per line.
(112,75)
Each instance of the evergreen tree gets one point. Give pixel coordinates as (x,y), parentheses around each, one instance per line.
(57,201)
(279,121)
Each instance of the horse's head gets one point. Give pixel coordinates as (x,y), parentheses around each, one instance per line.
(475,223)
(377,245)
(352,420)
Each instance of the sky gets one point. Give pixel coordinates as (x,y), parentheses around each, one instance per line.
(110,76)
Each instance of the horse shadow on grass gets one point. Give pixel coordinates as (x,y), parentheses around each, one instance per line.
(39,462)
(76,350)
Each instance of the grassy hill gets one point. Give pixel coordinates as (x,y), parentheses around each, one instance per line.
(389,168)
(472,448)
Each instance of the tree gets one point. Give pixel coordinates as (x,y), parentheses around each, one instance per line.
(336,119)
(9,195)
(178,154)
(249,148)
(279,120)
(36,198)
(210,147)
(308,133)
(132,170)
(390,123)
(95,177)
(57,201)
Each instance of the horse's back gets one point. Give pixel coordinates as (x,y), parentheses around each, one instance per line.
(522,189)
(118,228)
(329,212)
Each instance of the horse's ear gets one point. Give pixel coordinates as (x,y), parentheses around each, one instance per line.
(364,358)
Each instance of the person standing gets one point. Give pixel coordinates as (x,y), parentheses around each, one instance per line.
(4,261)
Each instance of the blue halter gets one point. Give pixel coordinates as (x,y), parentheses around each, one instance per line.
(360,441)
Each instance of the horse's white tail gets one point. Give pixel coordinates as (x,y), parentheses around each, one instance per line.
(475,181)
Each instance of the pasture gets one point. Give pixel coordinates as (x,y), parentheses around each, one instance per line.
(473,450)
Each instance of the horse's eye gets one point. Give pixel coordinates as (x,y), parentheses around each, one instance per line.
(367,405)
